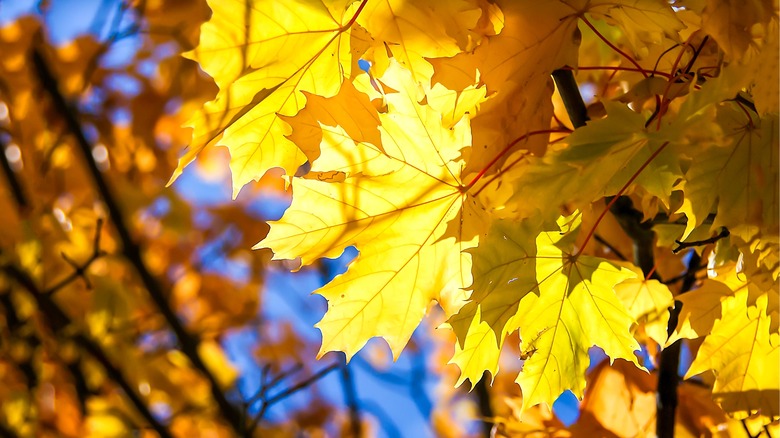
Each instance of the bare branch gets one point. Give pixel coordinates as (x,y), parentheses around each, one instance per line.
(724,232)
(80,270)
(268,402)
(350,396)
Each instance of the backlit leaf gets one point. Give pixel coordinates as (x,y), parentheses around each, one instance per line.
(394,205)
(561,302)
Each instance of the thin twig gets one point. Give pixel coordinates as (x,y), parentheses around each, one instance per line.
(267,403)
(611,248)
(80,270)
(683,275)
(682,245)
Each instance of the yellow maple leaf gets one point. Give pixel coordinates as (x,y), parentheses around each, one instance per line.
(648,302)
(396,204)
(738,172)
(527,277)
(409,32)
(597,160)
(744,353)
(644,22)
(537,37)
(732,22)
(262,55)
(700,309)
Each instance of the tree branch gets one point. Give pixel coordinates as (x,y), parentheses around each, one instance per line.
(57,321)
(483,403)
(570,94)
(668,378)
(351,399)
(643,236)
(682,245)
(268,402)
(13,184)
(80,270)
(188,342)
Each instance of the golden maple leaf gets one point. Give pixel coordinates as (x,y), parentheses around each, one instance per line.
(527,278)
(262,55)
(395,203)
(743,352)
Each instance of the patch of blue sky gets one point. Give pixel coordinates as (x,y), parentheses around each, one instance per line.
(120,116)
(201,192)
(10,10)
(125,84)
(268,206)
(567,408)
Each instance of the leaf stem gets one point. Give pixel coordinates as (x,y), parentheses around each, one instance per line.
(614,47)
(354,17)
(664,100)
(619,68)
(505,150)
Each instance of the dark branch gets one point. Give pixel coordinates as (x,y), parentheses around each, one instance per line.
(268,402)
(351,399)
(630,220)
(682,245)
(572,99)
(13,183)
(57,320)
(668,378)
(609,246)
(131,250)
(683,275)
(80,270)
(484,405)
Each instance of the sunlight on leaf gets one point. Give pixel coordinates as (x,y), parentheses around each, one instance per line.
(561,302)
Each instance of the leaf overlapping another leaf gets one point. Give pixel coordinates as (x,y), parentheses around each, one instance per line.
(394,204)
(529,278)
(262,55)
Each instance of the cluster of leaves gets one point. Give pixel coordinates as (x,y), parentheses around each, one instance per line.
(429,136)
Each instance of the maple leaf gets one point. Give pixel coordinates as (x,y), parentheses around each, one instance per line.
(595,161)
(536,38)
(743,352)
(394,204)
(648,302)
(262,55)
(409,32)
(738,173)
(731,23)
(644,22)
(700,309)
(526,277)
